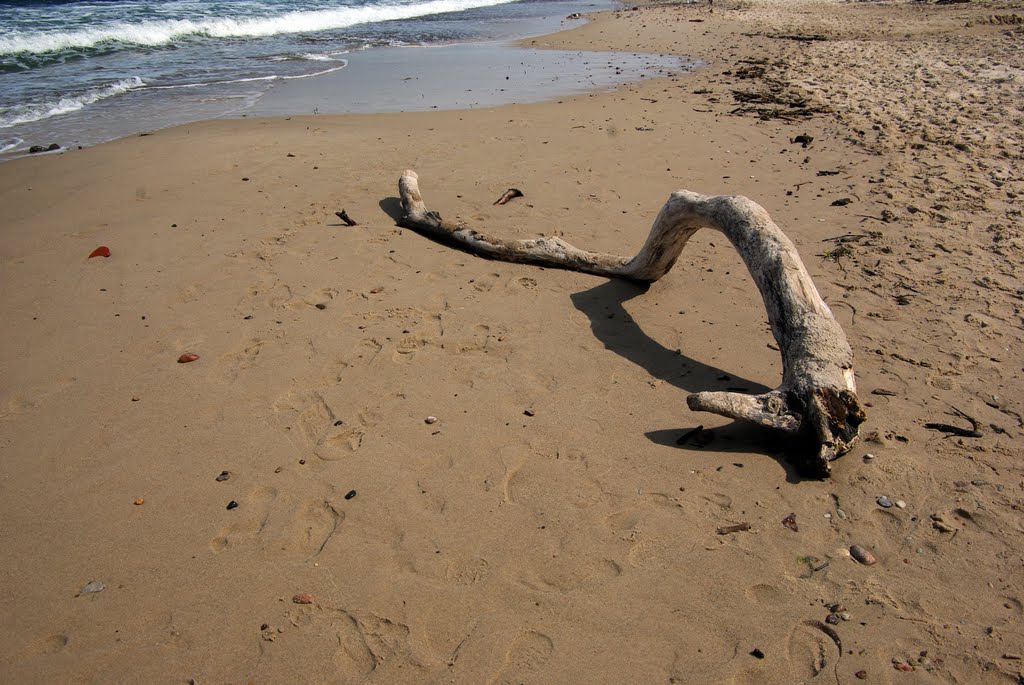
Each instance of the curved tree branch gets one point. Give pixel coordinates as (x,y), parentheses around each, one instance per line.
(817,399)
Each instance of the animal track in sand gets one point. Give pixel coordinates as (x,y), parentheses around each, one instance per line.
(526,282)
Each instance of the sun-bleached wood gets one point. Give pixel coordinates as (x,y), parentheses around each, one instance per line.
(817,400)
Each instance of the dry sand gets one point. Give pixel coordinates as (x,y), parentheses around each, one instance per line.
(577,544)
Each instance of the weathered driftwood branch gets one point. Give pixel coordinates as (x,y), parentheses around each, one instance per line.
(817,400)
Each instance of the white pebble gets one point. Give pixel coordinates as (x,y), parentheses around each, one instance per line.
(869,456)
(430,419)
(901,504)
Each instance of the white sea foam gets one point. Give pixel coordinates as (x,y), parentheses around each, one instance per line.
(156,33)
(9,143)
(253,79)
(27,113)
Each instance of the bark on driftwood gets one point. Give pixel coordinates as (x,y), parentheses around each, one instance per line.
(817,400)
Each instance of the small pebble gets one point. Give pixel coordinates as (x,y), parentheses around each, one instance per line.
(224,475)
(139,501)
(94,586)
(845,615)
(320,305)
(757,654)
(338,422)
(884,502)
(135,398)
(900,504)
(832,619)
(350,494)
(277,470)
(187,357)
(232,505)
(863,555)
(868,456)
(430,419)
(861,675)
(529,412)
(303,598)
(265,626)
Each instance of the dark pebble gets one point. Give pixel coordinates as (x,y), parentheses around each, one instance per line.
(338,422)
(861,675)
(757,653)
(302,461)
(842,202)
(350,494)
(264,626)
(232,505)
(320,305)
(224,475)
(832,619)
(529,412)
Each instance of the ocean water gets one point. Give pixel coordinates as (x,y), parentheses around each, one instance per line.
(80,72)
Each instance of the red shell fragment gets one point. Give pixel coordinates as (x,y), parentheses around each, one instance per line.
(187,357)
(101,251)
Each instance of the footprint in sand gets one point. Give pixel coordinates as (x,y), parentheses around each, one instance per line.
(528,653)
(308,417)
(308,530)
(485,283)
(234,363)
(286,529)
(49,645)
(247,522)
(812,646)
(328,642)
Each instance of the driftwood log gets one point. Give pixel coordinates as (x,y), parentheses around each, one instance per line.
(817,401)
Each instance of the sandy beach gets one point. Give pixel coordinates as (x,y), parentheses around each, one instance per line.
(280,510)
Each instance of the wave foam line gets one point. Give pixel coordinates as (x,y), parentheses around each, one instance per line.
(251,79)
(25,114)
(158,33)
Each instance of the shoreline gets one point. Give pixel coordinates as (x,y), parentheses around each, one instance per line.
(553,524)
(372,80)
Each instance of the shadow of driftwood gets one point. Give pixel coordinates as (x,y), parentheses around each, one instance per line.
(613,326)
(616,329)
(392,206)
